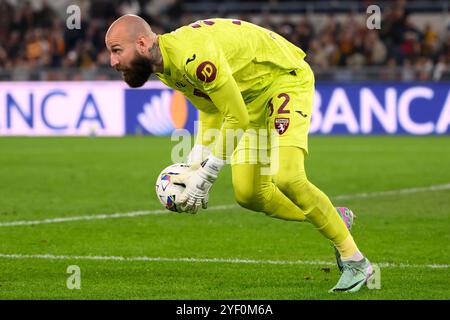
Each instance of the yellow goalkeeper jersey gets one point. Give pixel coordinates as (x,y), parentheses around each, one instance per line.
(221,65)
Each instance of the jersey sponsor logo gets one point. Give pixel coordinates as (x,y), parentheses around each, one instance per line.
(206,71)
(191,59)
(281,125)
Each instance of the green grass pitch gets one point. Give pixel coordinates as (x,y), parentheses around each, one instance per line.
(406,232)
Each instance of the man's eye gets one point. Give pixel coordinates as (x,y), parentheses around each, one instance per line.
(116,50)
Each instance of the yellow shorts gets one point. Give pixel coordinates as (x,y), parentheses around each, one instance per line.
(288,105)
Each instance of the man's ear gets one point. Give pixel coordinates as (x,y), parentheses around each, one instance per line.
(142,44)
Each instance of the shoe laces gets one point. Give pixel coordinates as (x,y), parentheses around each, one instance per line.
(352,269)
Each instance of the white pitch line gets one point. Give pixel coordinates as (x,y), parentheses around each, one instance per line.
(438,187)
(208,260)
(104,216)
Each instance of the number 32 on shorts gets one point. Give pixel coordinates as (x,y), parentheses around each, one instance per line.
(281,109)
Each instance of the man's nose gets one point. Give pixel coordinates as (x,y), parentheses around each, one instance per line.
(113,61)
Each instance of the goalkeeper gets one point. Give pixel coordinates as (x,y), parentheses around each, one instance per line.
(242,77)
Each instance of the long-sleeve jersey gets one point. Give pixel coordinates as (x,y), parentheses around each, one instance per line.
(221,65)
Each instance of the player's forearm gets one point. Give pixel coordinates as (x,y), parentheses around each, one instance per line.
(227,140)
(236,120)
(224,141)
(208,125)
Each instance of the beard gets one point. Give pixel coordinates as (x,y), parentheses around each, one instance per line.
(139,72)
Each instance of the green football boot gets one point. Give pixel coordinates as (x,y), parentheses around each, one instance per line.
(355,274)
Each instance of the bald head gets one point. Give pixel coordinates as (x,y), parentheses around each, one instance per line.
(134,49)
(130,27)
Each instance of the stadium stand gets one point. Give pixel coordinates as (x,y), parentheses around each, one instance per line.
(413,43)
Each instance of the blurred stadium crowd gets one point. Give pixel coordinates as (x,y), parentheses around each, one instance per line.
(35,43)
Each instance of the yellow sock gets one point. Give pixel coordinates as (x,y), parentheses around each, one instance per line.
(347,248)
(329,224)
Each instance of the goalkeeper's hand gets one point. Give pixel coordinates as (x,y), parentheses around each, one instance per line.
(198,154)
(198,182)
(182,178)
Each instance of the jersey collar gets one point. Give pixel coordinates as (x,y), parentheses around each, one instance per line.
(165,57)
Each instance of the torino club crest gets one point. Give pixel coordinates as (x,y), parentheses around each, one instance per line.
(281,125)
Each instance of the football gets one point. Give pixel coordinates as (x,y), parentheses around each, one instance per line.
(167,191)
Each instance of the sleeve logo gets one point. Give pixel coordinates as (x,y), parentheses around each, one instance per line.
(206,71)
(191,59)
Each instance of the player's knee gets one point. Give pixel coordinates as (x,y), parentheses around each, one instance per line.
(291,182)
(248,196)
